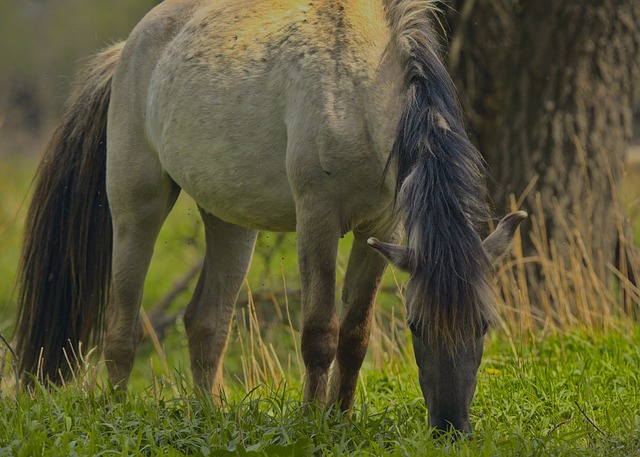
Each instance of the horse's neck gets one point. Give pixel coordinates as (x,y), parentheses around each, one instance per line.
(385,101)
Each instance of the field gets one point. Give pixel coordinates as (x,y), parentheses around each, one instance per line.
(568,384)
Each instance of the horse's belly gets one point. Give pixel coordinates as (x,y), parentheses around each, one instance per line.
(249,203)
(224,143)
(244,184)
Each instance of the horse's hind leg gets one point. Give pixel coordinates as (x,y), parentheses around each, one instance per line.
(208,316)
(363,276)
(140,197)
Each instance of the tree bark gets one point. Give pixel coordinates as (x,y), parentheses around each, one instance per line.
(479,43)
(548,86)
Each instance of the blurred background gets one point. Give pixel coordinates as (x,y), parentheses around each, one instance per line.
(43,43)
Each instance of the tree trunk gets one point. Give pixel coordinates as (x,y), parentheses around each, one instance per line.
(479,44)
(548,86)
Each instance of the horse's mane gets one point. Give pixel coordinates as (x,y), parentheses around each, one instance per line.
(440,188)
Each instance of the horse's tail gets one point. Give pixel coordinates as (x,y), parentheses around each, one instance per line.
(64,274)
(440,187)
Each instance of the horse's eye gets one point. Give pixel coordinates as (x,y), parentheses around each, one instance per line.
(414,327)
(485,327)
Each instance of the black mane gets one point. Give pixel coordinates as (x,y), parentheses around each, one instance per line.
(440,189)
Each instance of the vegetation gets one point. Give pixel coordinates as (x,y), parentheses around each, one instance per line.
(573,395)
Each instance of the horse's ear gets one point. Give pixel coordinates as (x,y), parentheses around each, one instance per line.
(497,244)
(397,255)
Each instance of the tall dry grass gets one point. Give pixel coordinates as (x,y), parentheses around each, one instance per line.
(572,287)
(570,293)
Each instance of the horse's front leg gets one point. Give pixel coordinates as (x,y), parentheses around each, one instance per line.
(363,276)
(318,237)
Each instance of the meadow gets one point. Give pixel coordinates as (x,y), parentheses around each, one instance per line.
(557,378)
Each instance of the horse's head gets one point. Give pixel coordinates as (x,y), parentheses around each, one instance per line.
(448,368)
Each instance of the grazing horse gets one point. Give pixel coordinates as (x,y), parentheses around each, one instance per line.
(319,116)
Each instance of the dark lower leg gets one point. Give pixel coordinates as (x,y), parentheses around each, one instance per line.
(361,284)
(317,251)
(319,343)
(354,340)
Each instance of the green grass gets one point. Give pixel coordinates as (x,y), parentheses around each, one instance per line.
(15,178)
(576,394)
(554,393)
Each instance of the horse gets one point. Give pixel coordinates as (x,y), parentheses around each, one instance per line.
(315,116)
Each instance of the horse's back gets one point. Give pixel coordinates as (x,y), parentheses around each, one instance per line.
(251,97)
